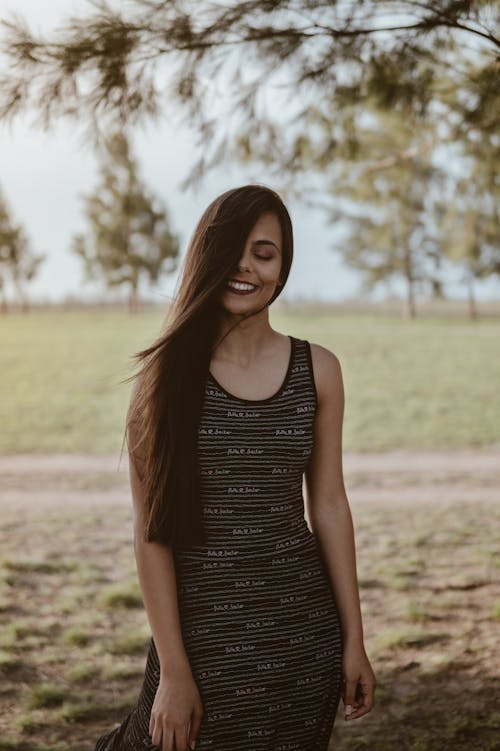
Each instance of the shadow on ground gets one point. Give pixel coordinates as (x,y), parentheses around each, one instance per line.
(449,708)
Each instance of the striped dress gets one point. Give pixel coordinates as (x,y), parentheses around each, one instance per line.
(258,616)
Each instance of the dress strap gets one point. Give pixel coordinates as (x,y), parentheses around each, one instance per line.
(302,376)
(311,370)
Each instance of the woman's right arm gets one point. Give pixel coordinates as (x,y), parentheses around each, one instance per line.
(177,709)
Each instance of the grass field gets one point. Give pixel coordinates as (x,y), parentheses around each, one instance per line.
(427,383)
(73,631)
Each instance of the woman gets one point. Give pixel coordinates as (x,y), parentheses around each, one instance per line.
(255,620)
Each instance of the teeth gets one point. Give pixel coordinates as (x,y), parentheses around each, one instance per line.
(241,285)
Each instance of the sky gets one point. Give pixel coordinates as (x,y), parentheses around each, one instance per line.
(44,175)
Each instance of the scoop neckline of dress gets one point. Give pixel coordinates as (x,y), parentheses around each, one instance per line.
(269,398)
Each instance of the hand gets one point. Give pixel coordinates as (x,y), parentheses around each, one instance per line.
(176,712)
(358,688)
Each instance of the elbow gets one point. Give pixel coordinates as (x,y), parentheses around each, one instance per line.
(329,509)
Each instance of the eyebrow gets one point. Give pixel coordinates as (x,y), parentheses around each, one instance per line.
(265,242)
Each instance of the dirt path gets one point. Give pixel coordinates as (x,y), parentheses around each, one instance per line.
(39,482)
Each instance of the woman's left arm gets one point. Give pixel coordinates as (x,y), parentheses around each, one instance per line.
(330,519)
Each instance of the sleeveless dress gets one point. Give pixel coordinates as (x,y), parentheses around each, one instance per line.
(259,621)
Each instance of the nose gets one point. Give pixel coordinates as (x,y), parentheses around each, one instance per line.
(243,265)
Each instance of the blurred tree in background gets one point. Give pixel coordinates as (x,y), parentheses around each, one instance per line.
(393,234)
(289,86)
(18,263)
(106,66)
(130,235)
(471,216)
(385,206)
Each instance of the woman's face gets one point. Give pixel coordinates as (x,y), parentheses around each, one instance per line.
(259,266)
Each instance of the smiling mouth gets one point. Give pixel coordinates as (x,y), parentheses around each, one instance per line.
(242,288)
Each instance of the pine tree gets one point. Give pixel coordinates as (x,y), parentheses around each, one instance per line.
(385,206)
(379,179)
(470,225)
(115,66)
(18,264)
(129,235)
(388,210)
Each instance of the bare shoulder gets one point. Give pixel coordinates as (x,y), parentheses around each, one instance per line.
(327,373)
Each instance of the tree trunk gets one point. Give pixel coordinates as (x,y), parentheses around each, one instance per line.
(410,301)
(410,310)
(470,297)
(21,297)
(133,300)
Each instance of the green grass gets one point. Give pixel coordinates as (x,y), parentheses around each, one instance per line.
(426,383)
(10,745)
(82,673)
(9,662)
(84,708)
(13,633)
(38,566)
(77,636)
(495,611)
(126,595)
(410,638)
(46,695)
(416,612)
(126,642)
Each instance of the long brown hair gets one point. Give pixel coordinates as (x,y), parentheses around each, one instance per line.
(168,393)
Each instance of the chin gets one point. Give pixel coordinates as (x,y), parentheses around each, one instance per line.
(238,306)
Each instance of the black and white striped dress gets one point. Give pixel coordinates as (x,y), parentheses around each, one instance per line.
(259,621)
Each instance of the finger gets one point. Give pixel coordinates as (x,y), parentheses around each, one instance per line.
(357,711)
(362,710)
(366,703)
(350,696)
(194,727)
(190,735)
(353,706)
(367,689)
(350,689)
(156,733)
(168,739)
(153,723)
(180,738)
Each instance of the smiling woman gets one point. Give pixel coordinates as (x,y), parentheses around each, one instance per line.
(254,617)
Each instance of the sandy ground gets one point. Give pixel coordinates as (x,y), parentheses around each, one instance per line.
(428,595)
(38,482)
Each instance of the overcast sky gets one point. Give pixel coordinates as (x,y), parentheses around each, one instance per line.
(43,176)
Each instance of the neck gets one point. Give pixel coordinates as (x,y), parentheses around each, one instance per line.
(245,339)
